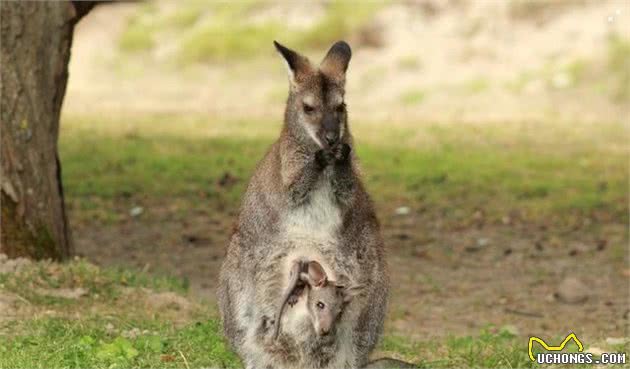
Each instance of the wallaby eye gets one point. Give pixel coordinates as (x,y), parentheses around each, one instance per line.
(341,108)
(308,109)
(321,305)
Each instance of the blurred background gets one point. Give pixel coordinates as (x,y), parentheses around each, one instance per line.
(493,137)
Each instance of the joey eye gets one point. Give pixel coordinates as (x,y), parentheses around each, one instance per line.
(341,108)
(320,305)
(308,109)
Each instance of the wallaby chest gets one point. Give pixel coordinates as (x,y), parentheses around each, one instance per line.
(319,217)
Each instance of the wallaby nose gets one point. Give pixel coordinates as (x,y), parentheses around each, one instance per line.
(324,332)
(331,137)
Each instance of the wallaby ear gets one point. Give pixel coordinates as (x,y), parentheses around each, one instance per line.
(336,61)
(316,276)
(349,292)
(297,65)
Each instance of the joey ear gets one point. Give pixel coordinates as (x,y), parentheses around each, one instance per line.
(350,292)
(298,66)
(315,276)
(336,61)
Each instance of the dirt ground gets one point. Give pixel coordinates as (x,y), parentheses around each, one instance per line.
(444,281)
(463,67)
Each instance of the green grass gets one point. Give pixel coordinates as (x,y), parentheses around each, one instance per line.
(491,348)
(571,170)
(117,324)
(81,343)
(114,322)
(44,276)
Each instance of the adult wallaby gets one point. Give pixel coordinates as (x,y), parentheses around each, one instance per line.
(307,190)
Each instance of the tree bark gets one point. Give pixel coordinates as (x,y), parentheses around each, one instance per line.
(35,41)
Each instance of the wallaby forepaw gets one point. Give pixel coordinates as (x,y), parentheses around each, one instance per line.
(323,158)
(342,152)
(293,299)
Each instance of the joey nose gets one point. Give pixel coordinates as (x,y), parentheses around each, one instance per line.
(331,137)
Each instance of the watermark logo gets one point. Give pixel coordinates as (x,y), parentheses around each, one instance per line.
(553,356)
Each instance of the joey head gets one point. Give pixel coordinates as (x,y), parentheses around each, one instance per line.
(325,299)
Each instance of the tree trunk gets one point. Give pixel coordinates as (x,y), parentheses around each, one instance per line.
(35,40)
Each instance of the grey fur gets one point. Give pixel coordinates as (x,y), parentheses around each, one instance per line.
(309,276)
(305,197)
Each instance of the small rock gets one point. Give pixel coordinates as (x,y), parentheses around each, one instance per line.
(479,244)
(581,247)
(403,210)
(12,265)
(482,242)
(571,291)
(136,211)
(616,340)
(109,327)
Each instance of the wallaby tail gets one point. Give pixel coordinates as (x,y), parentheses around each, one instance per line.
(389,363)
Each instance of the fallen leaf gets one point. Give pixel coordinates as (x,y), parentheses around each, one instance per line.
(167,358)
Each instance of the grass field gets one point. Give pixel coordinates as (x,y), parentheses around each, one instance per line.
(544,172)
(79,315)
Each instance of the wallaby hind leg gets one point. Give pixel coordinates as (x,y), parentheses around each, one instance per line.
(388,363)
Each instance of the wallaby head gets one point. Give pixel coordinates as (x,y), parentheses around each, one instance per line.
(325,299)
(316,110)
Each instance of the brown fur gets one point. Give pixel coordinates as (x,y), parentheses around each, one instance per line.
(303,174)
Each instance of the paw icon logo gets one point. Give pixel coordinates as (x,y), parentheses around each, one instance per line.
(571,336)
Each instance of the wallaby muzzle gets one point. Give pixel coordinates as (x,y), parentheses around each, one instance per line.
(329,132)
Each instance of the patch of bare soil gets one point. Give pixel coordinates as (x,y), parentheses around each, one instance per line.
(444,281)
(12,306)
(12,265)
